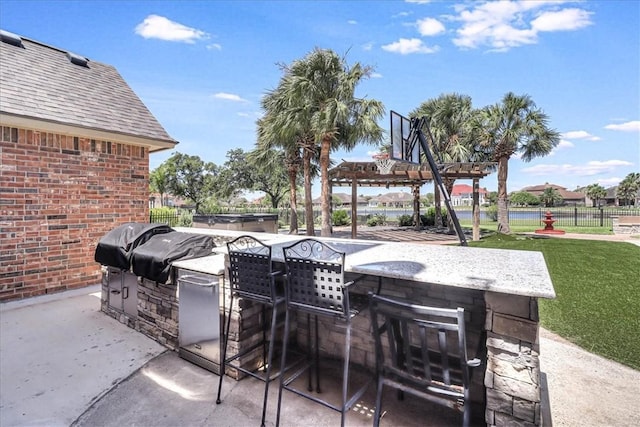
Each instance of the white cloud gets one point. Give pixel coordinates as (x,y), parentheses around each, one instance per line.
(430,27)
(563,144)
(229,97)
(408,46)
(609,182)
(352,22)
(562,20)
(591,168)
(367,46)
(214,46)
(580,134)
(159,27)
(418,1)
(401,15)
(632,126)
(376,75)
(502,25)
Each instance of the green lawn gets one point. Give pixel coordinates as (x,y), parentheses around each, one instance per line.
(515,228)
(598,292)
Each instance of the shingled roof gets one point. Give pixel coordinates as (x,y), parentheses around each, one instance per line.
(46,88)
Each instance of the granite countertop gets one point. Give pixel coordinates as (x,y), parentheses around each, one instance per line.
(497,270)
(210,264)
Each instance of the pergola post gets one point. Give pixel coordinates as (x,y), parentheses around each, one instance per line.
(416,207)
(354,207)
(330,208)
(476,210)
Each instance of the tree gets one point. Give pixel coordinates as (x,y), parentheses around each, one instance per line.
(235,175)
(596,192)
(524,198)
(449,119)
(512,126)
(427,199)
(257,170)
(629,188)
(550,197)
(287,125)
(191,178)
(322,87)
(492,197)
(269,174)
(159,181)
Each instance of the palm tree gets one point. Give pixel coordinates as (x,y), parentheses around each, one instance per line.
(629,188)
(513,126)
(286,125)
(550,197)
(266,141)
(321,89)
(596,192)
(449,119)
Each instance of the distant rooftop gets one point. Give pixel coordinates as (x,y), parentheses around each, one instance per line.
(43,87)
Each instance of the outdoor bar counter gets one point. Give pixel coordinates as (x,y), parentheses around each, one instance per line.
(499,290)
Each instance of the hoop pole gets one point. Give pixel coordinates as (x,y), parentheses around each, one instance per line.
(436,175)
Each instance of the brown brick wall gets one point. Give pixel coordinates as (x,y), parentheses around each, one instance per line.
(58,195)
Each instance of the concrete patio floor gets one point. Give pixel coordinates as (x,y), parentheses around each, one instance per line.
(63,362)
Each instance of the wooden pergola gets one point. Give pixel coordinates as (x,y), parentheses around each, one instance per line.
(404,174)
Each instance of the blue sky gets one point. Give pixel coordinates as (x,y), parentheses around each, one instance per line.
(202,67)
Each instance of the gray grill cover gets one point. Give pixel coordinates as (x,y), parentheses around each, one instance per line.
(114,248)
(153,259)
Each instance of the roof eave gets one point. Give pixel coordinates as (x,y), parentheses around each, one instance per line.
(152,144)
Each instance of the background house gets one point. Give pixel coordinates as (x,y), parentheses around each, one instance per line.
(568,197)
(462,195)
(341,200)
(612,198)
(74,155)
(400,199)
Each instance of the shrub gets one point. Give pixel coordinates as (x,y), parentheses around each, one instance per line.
(376,220)
(429,218)
(340,218)
(405,220)
(492,213)
(185,220)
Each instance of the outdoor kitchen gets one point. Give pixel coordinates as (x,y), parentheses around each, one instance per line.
(181,301)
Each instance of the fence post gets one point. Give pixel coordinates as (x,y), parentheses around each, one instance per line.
(575,215)
(601,217)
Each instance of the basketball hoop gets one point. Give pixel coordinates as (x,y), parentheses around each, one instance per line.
(383,163)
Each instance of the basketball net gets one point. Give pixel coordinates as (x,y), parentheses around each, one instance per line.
(384,163)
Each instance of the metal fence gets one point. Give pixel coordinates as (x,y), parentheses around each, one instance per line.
(172,219)
(563,216)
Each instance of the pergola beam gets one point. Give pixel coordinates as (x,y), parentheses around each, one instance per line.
(366,174)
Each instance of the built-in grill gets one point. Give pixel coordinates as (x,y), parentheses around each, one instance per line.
(114,252)
(142,288)
(153,260)
(116,247)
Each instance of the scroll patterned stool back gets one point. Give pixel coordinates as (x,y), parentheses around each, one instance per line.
(315,278)
(250,269)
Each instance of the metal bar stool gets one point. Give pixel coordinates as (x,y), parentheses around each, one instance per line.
(251,278)
(423,351)
(315,286)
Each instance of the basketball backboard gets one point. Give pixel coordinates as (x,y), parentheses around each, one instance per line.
(404,146)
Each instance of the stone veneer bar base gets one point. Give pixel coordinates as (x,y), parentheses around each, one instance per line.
(512,377)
